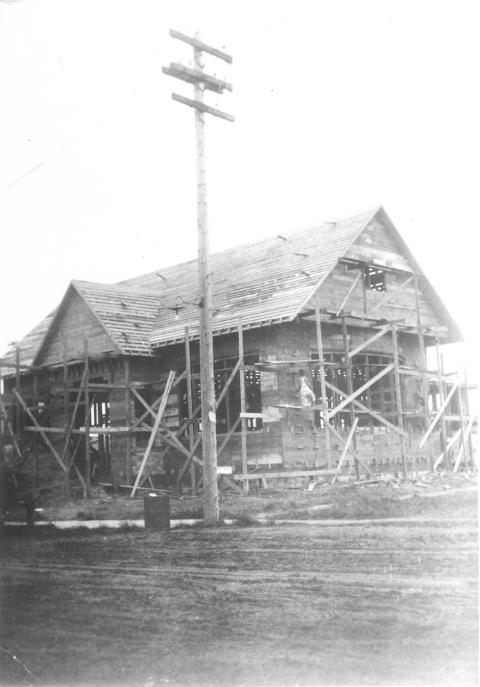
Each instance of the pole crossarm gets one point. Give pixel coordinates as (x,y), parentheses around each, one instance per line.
(201,107)
(211,83)
(200,45)
(202,81)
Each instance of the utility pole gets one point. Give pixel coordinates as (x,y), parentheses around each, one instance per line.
(201,82)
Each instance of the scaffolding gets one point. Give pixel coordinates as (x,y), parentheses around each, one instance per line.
(455,428)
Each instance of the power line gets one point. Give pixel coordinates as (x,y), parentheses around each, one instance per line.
(201,82)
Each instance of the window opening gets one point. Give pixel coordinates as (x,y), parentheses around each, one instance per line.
(379,397)
(229,409)
(375,279)
(99,416)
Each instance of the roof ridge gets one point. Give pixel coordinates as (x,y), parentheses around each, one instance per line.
(256,242)
(116,286)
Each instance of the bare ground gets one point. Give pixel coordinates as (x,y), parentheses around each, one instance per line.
(434,492)
(337,604)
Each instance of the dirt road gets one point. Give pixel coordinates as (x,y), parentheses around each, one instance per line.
(350,604)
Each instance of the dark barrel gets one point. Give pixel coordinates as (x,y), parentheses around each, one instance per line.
(157,512)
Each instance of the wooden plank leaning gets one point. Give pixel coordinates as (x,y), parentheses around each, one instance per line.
(360,391)
(156,425)
(371,412)
(462,452)
(450,444)
(42,433)
(369,341)
(16,446)
(348,294)
(345,449)
(352,448)
(438,415)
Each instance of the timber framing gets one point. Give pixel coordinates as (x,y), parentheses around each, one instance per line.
(106,390)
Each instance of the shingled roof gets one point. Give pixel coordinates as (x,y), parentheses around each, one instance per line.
(127,314)
(262,283)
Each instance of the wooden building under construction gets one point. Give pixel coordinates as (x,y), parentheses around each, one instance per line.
(106,389)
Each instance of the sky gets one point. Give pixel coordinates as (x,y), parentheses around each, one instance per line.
(340,105)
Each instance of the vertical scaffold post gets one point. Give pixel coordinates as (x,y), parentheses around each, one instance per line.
(323,387)
(468,463)
(87,417)
(128,421)
(398,399)
(348,369)
(441,393)
(188,367)
(18,381)
(423,363)
(66,455)
(243,421)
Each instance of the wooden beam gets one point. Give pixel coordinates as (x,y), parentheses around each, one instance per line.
(371,412)
(348,368)
(345,449)
(423,362)
(460,410)
(398,399)
(142,401)
(243,422)
(462,450)
(441,389)
(360,390)
(381,332)
(189,454)
(44,436)
(287,474)
(229,436)
(438,415)
(87,419)
(193,76)
(323,388)
(353,449)
(201,107)
(170,436)
(450,444)
(188,372)
(18,381)
(128,418)
(231,484)
(467,413)
(200,45)
(389,295)
(68,434)
(230,379)
(10,430)
(349,293)
(156,425)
